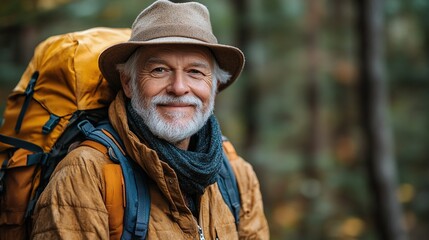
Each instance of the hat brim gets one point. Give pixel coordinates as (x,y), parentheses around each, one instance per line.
(229,58)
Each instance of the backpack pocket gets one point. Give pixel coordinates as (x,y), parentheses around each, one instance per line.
(19,181)
(28,120)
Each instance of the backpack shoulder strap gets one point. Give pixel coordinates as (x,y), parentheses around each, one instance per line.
(114,191)
(227,182)
(137,196)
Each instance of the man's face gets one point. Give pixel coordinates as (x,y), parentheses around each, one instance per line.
(173,90)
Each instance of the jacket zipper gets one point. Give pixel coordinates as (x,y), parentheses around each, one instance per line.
(199,224)
(200,231)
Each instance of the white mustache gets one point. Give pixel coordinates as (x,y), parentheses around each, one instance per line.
(166,99)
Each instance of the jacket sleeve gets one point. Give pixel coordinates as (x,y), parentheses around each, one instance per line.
(253,224)
(72,205)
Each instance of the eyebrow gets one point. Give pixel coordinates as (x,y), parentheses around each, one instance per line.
(156,60)
(200,64)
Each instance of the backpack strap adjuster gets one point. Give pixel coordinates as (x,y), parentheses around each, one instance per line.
(50,124)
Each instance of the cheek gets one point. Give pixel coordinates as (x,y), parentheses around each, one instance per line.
(203,90)
(148,88)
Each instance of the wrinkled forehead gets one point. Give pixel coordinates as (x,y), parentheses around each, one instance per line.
(181,52)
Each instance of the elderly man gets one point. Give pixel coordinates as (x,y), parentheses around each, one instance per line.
(169,73)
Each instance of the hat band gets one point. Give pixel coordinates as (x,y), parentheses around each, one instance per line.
(164,31)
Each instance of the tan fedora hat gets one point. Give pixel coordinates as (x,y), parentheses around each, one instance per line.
(165,22)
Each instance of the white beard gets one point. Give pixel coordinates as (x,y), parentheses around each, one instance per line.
(173,131)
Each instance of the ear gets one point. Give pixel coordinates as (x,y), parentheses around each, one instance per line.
(216,91)
(126,83)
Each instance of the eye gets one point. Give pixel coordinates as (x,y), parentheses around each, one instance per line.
(195,72)
(159,71)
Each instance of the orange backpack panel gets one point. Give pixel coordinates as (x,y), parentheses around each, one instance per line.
(61,84)
(68,80)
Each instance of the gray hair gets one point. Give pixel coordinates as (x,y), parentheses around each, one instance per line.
(130,68)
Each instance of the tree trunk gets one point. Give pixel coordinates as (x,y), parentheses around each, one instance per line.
(250,90)
(313,95)
(376,126)
(312,148)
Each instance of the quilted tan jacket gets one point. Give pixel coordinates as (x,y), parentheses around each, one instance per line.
(73,204)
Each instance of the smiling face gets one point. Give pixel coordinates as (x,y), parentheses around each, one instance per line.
(172,89)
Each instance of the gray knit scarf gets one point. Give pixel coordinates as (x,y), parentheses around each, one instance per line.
(196,168)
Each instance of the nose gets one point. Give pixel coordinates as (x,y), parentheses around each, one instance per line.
(178,85)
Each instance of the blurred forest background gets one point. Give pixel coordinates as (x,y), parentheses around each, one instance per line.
(331,109)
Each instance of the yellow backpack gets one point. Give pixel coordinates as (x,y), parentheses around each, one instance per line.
(61,87)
